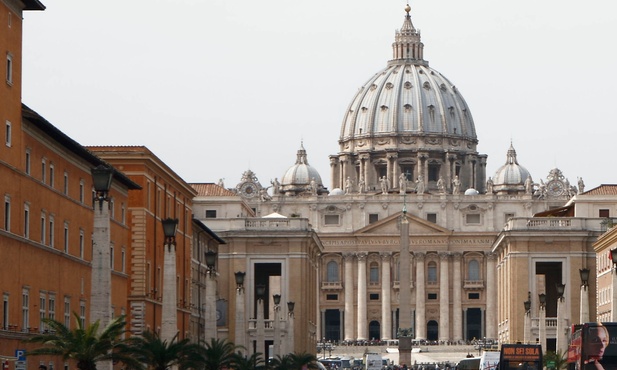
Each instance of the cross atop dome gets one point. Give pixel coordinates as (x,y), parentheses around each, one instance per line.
(407,45)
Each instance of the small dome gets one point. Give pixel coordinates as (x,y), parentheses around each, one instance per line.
(336,192)
(301,177)
(510,178)
(471,191)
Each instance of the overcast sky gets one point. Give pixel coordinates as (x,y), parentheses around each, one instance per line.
(216,87)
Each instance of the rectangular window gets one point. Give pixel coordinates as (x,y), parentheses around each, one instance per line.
(407,171)
(112,209)
(26,221)
(373,217)
(51,312)
(474,296)
(51,231)
(82,192)
(27,162)
(66,184)
(604,213)
(82,243)
(373,296)
(433,171)
(66,237)
(42,312)
(331,219)
(123,261)
(8,134)
(7,213)
(472,219)
(67,312)
(210,213)
(9,68)
(111,257)
(43,170)
(123,214)
(25,309)
(331,297)
(51,175)
(432,296)
(431,217)
(82,313)
(43,224)
(5,311)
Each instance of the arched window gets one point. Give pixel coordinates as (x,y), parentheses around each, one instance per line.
(473,270)
(374,272)
(432,272)
(332,272)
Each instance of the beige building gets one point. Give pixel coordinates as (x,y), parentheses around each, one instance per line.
(408,142)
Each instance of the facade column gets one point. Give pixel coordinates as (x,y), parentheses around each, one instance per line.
(334,170)
(457,303)
(386,310)
(100,307)
(365,171)
(240,324)
(423,168)
(169,316)
(349,283)
(420,296)
(362,310)
(444,297)
(491,296)
(393,172)
(210,325)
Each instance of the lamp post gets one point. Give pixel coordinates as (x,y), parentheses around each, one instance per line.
(210,326)
(290,340)
(542,299)
(561,335)
(527,329)
(584,315)
(240,337)
(614,287)
(100,294)
(260,291)
(277,330)
(100,306)
(169,320)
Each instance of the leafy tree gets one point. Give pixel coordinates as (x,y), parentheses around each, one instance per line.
(159,354)
(218,354)
(85,345)
(294,361)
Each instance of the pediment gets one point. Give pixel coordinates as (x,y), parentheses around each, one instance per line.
(391,225)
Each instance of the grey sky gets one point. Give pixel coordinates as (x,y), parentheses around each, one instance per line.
(217,87)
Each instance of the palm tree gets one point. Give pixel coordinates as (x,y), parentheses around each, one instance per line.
(218,354)
(559,359)
(284,362)
(242,362)
(85,345)
(304,359)
(158,354)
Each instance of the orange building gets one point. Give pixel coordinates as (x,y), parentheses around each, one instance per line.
(46,222)
(164,195)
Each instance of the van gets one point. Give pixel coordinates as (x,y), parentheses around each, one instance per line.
(489,360)
(469,364)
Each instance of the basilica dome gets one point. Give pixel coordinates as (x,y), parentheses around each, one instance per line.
(301,177)
(510,178)
(407,98)
(408,120)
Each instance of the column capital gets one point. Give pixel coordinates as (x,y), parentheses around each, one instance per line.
(491,256)
(361,256)
(444,256)
(385,256)
(348,256)
(419,256)
(457,256)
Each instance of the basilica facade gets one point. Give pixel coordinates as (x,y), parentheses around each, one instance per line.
(408,154)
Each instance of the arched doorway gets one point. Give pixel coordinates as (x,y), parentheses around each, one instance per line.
(432,330)
(374,330)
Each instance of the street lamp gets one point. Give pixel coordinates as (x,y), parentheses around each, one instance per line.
(290,341)
(210,295)
(100,306)
(275,321)
(260,292)
(542,299)
(527,329)
(584,315)
(561,339)
(169,325)
(240,337)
